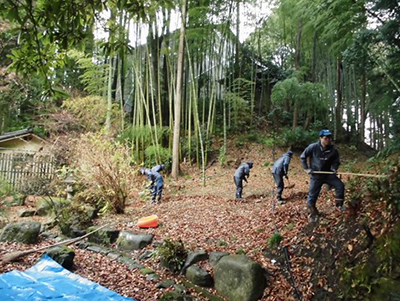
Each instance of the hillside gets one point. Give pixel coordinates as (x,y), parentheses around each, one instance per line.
(306,263)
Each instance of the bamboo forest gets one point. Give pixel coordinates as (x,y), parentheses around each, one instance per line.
(127,124)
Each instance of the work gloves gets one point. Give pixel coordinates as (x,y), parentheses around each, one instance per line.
(309,171)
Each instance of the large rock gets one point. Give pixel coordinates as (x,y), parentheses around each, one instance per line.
(194,257)
(26,232)
(199,276)
(63,255)
(47,205)
(238,278)
(215,257)
(130,241)
(105,236)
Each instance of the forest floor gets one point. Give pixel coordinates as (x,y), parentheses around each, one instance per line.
(210,218)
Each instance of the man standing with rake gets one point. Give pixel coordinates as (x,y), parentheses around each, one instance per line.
(323,157)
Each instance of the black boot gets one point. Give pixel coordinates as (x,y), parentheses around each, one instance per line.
(313,214)
(281,200)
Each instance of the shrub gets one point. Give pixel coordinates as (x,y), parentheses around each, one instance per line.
(274,240)
(5,188)
(172,254)
(36,186)
(91,111)
(106,172)
(297,139)
(73,215)
(155,155)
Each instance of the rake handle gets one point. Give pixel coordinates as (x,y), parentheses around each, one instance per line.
(349,173)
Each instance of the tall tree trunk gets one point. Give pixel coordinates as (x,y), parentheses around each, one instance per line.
(363,114)
(339,99)
(109,95)
(237,54)
(178,97)
(297,62)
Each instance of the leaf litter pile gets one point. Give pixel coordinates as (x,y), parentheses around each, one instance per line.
(302,265)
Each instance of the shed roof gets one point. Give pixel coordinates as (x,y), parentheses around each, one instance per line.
(18,134)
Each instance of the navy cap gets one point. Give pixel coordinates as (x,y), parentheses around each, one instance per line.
(325,133)
(290,153)
(250,163)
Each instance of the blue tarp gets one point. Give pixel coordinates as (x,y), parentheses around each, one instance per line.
(48,280)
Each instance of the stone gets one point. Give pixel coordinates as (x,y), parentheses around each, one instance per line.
(146,255)
(152,277)
(47,205)
(146,271)
(26,212)
(105,236)
(25,232)
(130,241)
(95,249)
(165,283)
(194,257)
(237,277)
(199,276)
(114,255)
(63,255)
(216,256)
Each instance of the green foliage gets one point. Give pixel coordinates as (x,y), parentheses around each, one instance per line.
(73,215)
(240,252)
(365,279)
(106,172)
(5,189)
(297,138)
(239,99)
(274,240)
(221,243)
(90,111)
(94,74)
(172,254)
(142,141)
(156,155)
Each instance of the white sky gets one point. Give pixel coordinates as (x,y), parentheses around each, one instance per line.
(250,15)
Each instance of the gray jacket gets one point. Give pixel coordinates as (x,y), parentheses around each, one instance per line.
(320,159)
(281,166)
(242,171)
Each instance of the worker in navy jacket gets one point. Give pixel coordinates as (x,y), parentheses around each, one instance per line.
(280,169)
(156,182)
(242,174)
(322,156)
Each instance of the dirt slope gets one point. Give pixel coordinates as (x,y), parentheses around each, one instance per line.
(209,218)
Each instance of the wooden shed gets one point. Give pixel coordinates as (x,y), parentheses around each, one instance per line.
(24,157)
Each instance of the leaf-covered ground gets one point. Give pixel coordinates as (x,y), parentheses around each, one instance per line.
(209,218)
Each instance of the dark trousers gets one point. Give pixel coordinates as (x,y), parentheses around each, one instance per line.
(239,187)
(316,183)
(279,184)
(156,191)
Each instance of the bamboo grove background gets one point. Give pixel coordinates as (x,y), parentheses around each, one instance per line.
(307,65)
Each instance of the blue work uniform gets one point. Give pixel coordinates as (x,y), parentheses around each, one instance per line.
(156,182)
(322,159)
(279,170)
(241,173)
